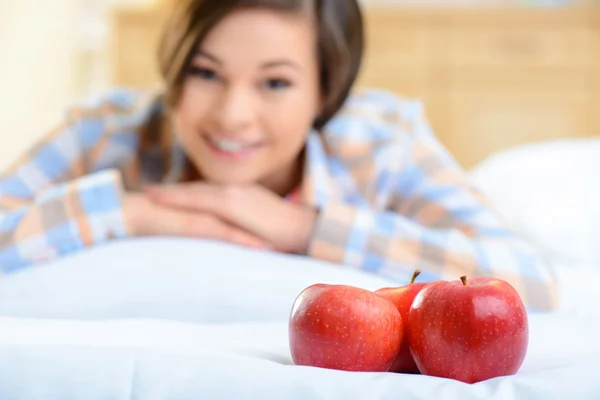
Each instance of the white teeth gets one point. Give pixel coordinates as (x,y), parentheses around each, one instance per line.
(229,146)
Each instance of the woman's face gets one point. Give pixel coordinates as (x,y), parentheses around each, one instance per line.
(250,98)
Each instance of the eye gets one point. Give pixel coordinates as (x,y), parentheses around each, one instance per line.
(203,73)
(277,84)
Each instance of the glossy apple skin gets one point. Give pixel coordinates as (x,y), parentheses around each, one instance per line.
(468,333)
(345,328)
(402,297)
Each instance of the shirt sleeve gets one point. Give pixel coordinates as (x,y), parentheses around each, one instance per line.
(55,200)
(437,222)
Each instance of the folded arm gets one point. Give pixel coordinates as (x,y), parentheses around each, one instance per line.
(62,195)
(434,221)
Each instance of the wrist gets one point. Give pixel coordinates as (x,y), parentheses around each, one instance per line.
(307,224)
(133,204)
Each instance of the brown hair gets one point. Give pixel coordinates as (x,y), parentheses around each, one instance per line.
(340,42)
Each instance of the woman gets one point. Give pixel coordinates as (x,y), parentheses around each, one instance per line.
(259,140)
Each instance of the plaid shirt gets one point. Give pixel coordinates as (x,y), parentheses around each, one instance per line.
(391,198)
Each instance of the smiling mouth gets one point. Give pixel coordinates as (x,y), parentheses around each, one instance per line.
(232,147)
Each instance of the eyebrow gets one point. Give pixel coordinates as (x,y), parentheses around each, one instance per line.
(269,64)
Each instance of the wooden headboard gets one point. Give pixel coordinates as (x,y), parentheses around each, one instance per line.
(490,78)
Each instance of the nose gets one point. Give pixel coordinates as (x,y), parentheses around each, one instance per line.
(235,109)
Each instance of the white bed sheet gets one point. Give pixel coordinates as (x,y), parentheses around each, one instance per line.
(165,319)
(149,359)
(579,289)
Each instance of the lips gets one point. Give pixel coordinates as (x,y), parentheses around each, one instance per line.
(232,147)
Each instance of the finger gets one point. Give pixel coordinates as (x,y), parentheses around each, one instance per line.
(196,196)
(241,206)
(209,227)
(162,221)
(185,195)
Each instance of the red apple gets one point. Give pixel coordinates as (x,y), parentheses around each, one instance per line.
(345,328)
(402,297)
(470,331)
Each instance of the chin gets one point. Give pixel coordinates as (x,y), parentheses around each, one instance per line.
(229,178)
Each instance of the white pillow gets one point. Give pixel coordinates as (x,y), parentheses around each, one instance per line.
(550,192)
(184,279)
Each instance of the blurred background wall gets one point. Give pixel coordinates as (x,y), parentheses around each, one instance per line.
(52,53)
(37,42)
(55,52)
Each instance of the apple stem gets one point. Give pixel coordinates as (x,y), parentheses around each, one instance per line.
(415,274)
(464,280)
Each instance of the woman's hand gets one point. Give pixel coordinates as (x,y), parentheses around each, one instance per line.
(146,218)
(288,227)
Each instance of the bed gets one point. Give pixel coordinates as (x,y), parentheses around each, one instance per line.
(169,319)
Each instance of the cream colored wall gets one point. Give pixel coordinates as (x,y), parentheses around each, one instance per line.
(36,44)
(52,53)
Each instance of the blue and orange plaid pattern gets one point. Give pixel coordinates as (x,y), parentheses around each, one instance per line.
(391,198)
